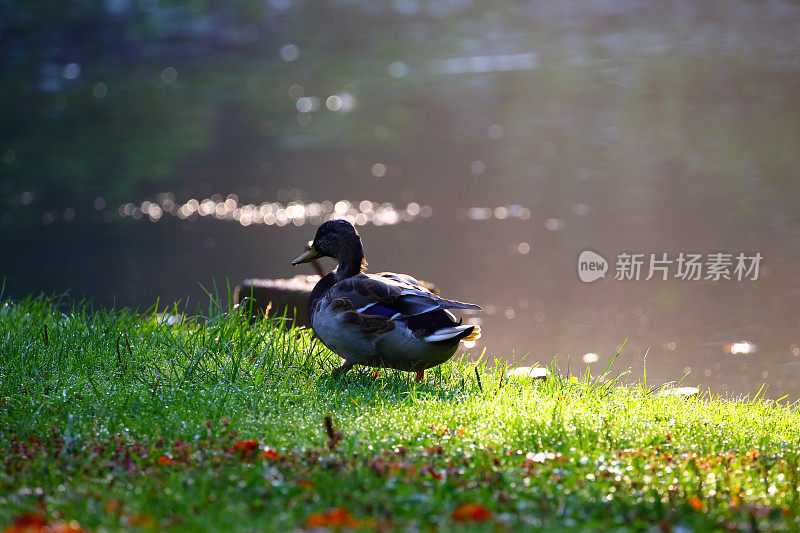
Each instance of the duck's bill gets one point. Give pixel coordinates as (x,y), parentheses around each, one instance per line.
(310,255)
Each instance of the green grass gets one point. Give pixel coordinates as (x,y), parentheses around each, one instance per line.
(119,420)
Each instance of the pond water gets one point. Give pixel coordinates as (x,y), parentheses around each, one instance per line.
(148,148)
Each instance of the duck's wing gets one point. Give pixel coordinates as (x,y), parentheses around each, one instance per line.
(409,282)
(392,295)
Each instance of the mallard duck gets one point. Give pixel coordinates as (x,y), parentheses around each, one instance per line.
(378,320)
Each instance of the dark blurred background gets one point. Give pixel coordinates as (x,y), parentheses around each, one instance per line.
(149,146)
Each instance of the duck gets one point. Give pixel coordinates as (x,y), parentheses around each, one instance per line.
(386,320)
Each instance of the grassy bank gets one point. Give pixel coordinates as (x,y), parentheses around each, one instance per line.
(115,420)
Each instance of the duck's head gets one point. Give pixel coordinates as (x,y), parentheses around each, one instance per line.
(340,240)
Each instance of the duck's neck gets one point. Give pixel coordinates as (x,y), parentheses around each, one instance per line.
(351,264)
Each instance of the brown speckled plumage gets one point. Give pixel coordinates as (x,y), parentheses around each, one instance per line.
(383,319)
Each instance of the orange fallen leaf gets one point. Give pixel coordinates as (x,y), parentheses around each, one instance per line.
(270,453)
(334,518)
(695,503)
(752,455)
(140,520)
(26,522)
(35,523)
(245,448)
(471,512)
(112,506)
(163,460)
(431,472)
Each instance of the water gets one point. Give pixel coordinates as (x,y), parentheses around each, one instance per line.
(482,146)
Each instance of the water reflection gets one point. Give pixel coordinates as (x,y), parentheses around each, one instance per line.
(275,213)
(590,358)
(533,130)
(500,213)
(483,64)
(742,347)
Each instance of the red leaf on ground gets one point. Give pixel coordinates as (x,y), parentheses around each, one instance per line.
(431,472)
(752,455)
(695,503)
(182,450)
(139,520)
(28,521)
(337,517)
(245,448)
(112,506)
(270,453)
(35,523)
(471,512)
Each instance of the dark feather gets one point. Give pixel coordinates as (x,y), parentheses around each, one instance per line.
(369,325)
(385,296)
(427,323)
(452,341)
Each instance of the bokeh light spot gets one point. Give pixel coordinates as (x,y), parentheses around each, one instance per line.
(333,102)
(289,52)
(295,91)
(496,131)
(590,358)
(378,170)
(71,71)
(397,69)
(169,75)
(100,90)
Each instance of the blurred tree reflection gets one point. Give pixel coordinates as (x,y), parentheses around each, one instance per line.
(125,98)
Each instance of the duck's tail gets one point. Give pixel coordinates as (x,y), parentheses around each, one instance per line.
(455,334)
(475,335)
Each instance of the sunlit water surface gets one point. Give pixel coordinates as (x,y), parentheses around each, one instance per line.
(484,152)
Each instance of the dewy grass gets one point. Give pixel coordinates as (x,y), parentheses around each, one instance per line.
(111,419)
